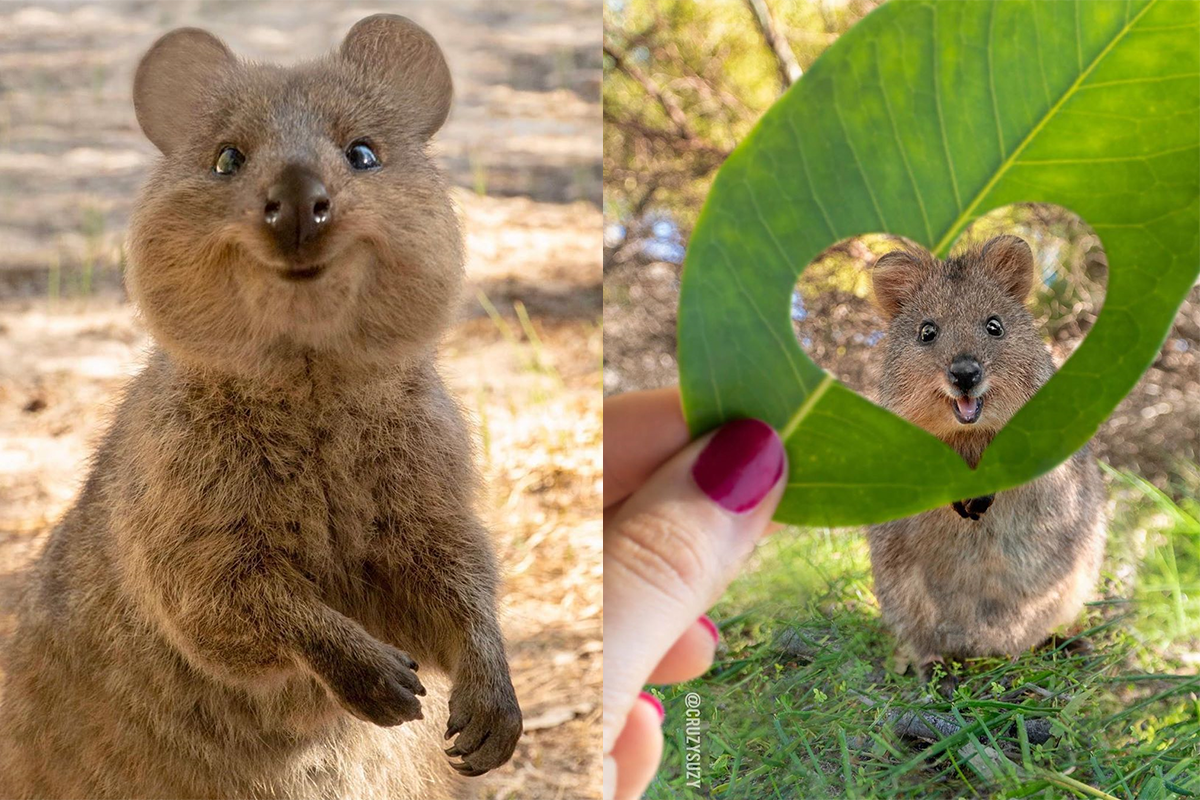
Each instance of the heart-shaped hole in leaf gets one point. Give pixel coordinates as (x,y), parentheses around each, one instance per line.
(916,122)
(840,325)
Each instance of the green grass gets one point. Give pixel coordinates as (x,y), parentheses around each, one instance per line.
(801,702)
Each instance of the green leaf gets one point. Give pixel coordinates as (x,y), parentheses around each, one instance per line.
(924,116)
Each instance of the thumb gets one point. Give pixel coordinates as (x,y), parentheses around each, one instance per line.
(675,544)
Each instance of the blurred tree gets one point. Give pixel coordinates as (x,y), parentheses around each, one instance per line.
(684,81)
(789,68)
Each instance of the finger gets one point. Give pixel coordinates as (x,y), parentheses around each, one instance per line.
(675,545)
(639,749)
(690,656)
(644,429)
(495,750)
(468,771)
(469,740)
(455,724)
(399,706)
(457,750)
(408,679)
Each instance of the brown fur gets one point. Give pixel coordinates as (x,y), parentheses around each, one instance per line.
(281,512)
(953,586)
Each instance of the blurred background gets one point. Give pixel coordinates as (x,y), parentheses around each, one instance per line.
(796,704)
(522,147)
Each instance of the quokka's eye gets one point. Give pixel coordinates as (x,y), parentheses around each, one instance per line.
(229,161)
(362,157)
(927,333)
(994,327)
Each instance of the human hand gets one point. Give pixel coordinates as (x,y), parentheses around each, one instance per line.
(679,520)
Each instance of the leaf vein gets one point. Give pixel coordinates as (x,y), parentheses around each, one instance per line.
(937,101)
(787,351)
(812,189)
(1037,38)
(887,106)
(1078,40)
(1113,160)
(992,84)
(957,225)
(1129,81)
(837,112)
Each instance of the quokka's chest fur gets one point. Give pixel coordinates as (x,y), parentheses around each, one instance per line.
(318,474)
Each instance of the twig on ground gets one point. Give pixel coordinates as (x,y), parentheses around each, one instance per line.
(930,726)
(556,715)
(925,725)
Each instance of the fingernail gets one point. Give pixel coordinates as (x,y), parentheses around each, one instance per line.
(654,701)
(740,464)
(711,627)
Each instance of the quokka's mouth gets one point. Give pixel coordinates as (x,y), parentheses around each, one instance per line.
(967,409)
(300,274)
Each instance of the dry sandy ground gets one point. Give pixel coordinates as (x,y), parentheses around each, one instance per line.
(536,410)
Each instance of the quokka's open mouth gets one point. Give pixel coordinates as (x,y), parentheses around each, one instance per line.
(303,273)
(967,409)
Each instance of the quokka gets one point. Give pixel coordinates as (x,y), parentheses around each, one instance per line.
(279,527)
(988,575)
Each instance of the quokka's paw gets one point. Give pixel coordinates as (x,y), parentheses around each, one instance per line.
(974,508)
(900,661)
(930,667)
(925,666)
(488,725)
(381,686)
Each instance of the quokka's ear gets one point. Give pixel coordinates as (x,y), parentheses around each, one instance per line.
(397,50)
(172,81)
(895,277)
(1010,261)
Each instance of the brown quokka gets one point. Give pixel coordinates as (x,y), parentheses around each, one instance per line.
(989,575)
(279,526)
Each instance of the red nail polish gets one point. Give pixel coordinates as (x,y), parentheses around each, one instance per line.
(740,464)
(654,701)
(711,627)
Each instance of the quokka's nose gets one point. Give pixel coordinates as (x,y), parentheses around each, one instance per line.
(965,373)
(297,209)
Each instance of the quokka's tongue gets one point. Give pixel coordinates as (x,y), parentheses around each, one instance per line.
(968,407)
